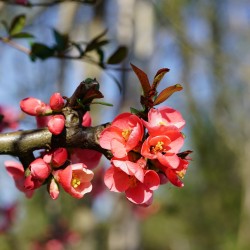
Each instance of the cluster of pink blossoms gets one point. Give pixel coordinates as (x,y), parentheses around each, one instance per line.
(71,169)
(145,153)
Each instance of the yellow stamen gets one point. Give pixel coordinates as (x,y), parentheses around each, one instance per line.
(75,182)
(181,173)
(126,133)
(161,123)
(158,147)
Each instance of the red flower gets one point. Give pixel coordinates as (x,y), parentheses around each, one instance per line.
(138,185)
(75,179)
(56,124)
(164,148)
(125,132)
(56,102)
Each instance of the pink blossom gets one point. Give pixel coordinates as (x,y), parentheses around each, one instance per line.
(124,134)
(138,188)
(162,119)
(16,171)
(39,169)
(56,124)
(33,106)
(164,148)
(75,179)
(56,102)
(89,157)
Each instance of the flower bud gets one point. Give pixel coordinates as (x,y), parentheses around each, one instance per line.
(53,189)
(86,120)
(59,157)
(31,106)
(56,102)
(31,183)
(56,124)
(39,169)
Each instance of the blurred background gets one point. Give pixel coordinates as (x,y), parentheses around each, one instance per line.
(206,45)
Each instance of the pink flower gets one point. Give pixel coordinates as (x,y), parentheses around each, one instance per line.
(89,157)
(124,134)
(16,171)
(56,124)
(33,106)
(138,188)
(162,119)
(39,169)
(164,148)
(75,179)
(56,102)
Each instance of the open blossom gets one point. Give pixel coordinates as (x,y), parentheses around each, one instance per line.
(138,187)
(124,134)
(75,179)
(164,148)
(162,119)
(16,171)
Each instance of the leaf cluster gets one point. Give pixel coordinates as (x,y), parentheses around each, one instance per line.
(150,97)
(64,47)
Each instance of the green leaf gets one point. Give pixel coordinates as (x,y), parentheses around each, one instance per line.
(118,56)
(39,50)
(101,57)
(158,77)
(17,24)
(62,40)
(22,35)
(143,78)
(166,93)
(95,45)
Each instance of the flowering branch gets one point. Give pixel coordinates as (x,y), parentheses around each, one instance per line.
(143,145)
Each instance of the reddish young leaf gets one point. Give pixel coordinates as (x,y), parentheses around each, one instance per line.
(166,93)
(143,78)
(159,75)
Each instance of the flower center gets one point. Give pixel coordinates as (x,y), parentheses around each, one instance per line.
(75,182)
(159,147)
(126,133)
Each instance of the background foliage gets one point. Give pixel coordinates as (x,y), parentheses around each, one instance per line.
(205,44)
